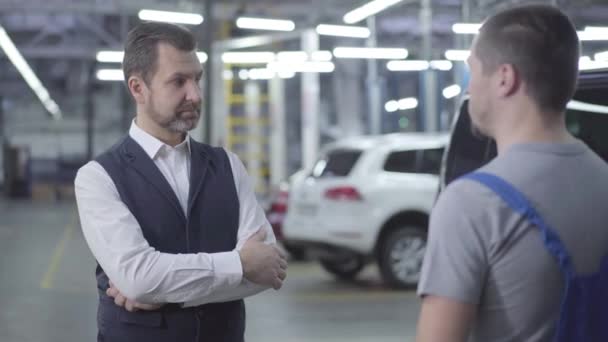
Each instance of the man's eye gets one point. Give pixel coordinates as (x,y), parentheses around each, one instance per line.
(180,82)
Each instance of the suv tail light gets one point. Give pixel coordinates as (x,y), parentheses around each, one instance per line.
(343,193)
(280,202)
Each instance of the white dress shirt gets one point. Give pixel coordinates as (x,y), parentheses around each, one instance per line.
(138,270)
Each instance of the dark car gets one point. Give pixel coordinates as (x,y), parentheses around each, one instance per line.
(586,118)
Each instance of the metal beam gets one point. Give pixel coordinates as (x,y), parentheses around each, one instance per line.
(58,52)
(208,47)
(89,24)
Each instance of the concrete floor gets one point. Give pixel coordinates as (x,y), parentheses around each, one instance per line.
(47,290)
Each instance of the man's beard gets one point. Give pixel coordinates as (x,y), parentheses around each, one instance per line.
(178,123)
(181,125)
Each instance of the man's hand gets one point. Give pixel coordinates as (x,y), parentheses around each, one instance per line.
(263,264)
(128,304)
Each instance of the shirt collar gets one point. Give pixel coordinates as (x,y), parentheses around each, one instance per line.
(150,144)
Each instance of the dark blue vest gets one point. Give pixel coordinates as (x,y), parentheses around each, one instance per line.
(210,226)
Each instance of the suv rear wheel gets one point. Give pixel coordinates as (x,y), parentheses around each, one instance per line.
(344,268)
(401,256)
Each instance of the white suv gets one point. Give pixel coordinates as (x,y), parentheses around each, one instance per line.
(368,198)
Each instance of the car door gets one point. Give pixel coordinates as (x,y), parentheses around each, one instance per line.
(586,119)
(467,150)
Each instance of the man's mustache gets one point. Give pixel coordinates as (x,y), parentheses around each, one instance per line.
(191,107)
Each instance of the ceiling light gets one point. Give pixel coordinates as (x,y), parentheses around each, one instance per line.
(407,65)
(261,74)
(202,57)
(248,57)
(13,54)
(457,55)
(391,106)
(265,24)
(286,74)
(110,56)
(587,107)
(368,10)
(451,91)
(343,31)
(171,17)
(314,67)
(321,56)
(441,65)
(370,53)
(243,74)
(592,35)
(588,64)
(110,75)
(466,28)
(227,75)
(597,29)
(292,56)
(408,103)
(601,56)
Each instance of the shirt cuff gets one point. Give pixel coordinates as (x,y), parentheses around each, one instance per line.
(228,269)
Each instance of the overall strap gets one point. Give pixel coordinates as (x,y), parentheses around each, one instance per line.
(520,204)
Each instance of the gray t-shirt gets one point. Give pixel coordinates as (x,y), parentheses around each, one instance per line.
(481,252)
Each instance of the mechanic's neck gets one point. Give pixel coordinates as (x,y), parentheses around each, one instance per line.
(525,123)
(163,134)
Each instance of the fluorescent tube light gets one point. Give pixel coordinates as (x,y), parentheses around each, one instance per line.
(321,56)
(261,74)
(370,53)
(107,56)
(593,35)
(368,10)
(343,31)
(248,57)
(391,106)
(171,17)
(411,65)
(265,24)
(466,28)
(110,56)
(315,67)
(408,103)
(110,75)
(601,56)
(457,55)
(292,56)
(202,57)
(13,54)
(587,107)
(441,65)
(451,91)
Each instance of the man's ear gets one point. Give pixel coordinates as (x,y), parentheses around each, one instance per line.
(137,88)
(508,80)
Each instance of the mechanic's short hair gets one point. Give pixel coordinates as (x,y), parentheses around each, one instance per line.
(141,47)
(541,43)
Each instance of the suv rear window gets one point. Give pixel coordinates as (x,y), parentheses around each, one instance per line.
(431,161)
(401,161)
(336,163)
(415,161)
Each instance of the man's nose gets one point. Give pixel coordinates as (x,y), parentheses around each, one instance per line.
(194,92)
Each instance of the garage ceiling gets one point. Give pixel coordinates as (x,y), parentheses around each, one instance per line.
(59,37)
